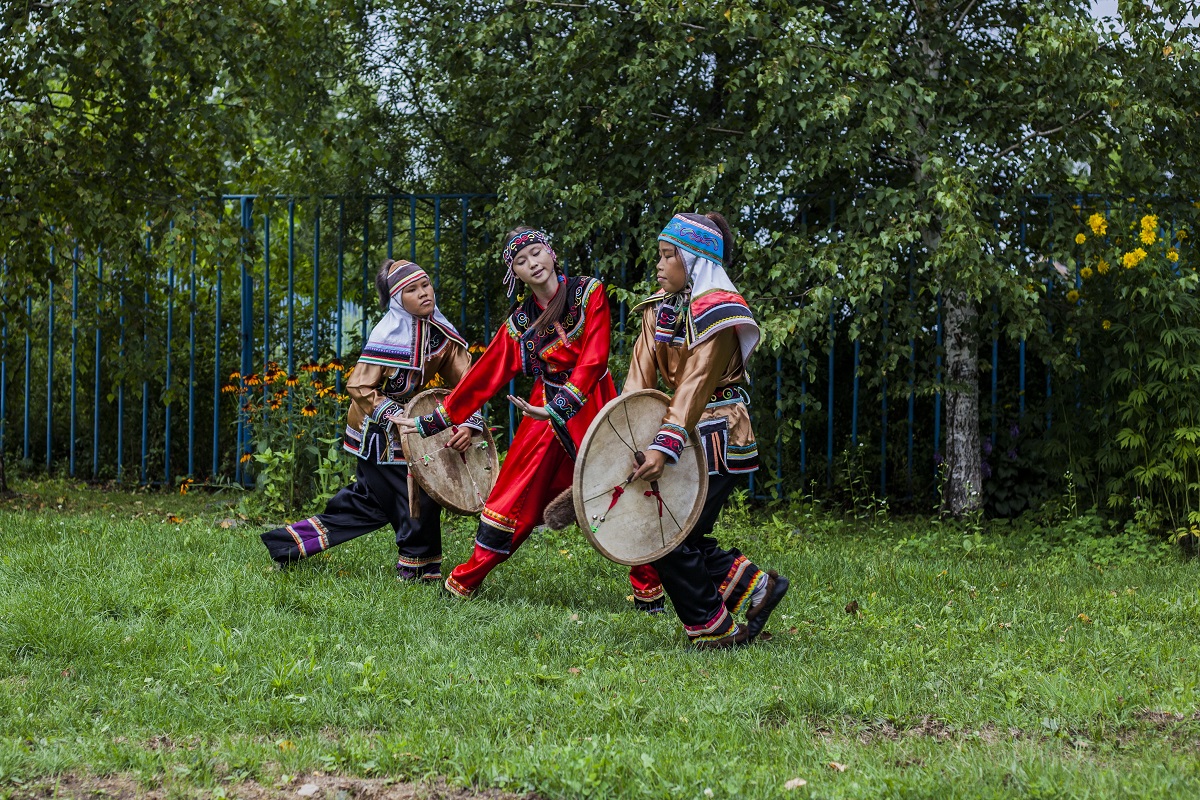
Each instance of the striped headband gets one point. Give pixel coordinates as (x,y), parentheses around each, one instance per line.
(697,235)
(518,243)
(401,274)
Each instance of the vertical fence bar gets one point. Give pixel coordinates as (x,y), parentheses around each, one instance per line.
(167,374)
(266,292)
(465,206)
(216,420)
(191,470)
(412,228)
(74,353)
(291,291)
(366,244)
(50,365)
(4,360)
(341,265)
(778,427)
(28,361)
(912,380)
(391,223)
(316,283)
(97,369)
(437,243)
(144,477)
(246,333)
(884,405)
(854,396)
(121,383)
(829,412)
(937,395)
(995,374)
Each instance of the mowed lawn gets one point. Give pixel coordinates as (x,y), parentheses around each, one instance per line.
(171,651)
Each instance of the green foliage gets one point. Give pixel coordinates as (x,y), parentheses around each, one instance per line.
(295,423)
(1135,322)
(997,673)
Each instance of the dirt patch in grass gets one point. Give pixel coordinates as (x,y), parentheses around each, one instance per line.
(305,787)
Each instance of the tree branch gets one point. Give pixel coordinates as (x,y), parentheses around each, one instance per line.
(1040,134)
(963,15)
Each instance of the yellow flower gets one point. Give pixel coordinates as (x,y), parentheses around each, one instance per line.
(292,380)
(1098,224)
(1080,238)
(229,388)
(1148,236)
(1102,267)
(1073,296)
(1106,324)
(1172,254)
(233,376)
(1183,234)
(246,457)
(1133,258)
(1085,273)
(1150,222)
(309,410)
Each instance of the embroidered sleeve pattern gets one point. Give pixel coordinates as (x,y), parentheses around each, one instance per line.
(435,422)
(566,403)
(670,440)
(386,411)
(475,422)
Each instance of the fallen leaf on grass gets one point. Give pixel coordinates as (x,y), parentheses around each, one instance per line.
(852,607)
(836,767)
(795,783)
(285,744)
(174,520)
(1085,619)
(575,671)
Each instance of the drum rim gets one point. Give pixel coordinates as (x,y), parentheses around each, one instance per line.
(415,470)
(577,482)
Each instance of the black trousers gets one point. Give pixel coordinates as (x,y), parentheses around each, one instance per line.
(701,578)
(377,498)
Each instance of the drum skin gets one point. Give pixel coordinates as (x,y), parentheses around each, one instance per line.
(632,530)
(459,482)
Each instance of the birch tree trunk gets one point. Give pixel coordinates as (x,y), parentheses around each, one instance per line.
(962,492)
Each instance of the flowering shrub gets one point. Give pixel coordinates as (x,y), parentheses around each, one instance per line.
(1138,334)
(295,423)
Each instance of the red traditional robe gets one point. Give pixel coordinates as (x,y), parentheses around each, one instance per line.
(569,363)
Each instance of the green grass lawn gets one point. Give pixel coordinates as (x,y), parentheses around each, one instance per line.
(171,651)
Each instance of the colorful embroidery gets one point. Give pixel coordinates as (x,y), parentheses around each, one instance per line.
(456,588)
(671,440)
(701,238)
(727,396)
(310,536)
(434,422)
(719,626)
(536,345)
(567,402)
(648,595)
(740,582)
(418,562)
(516,245)
(497,520)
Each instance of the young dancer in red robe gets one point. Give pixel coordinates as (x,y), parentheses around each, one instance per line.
(559,335)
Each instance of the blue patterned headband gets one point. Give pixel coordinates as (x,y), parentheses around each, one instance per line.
(697,235)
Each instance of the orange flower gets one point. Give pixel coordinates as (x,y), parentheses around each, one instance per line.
(335,364)
(253,379)
(233,376)
(229,388)
(309,410)
(185,485)
(311,366)
(292,380)
(276,404)
(246,457)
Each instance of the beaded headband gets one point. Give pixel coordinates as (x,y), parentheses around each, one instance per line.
(515,245)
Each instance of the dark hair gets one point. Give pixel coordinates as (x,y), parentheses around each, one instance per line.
(381,282)
(726,234)
(558,304)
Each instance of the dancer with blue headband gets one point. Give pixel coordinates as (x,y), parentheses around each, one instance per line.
(560,336)
(698,334)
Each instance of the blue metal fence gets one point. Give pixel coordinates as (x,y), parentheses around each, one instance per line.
(296,302)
